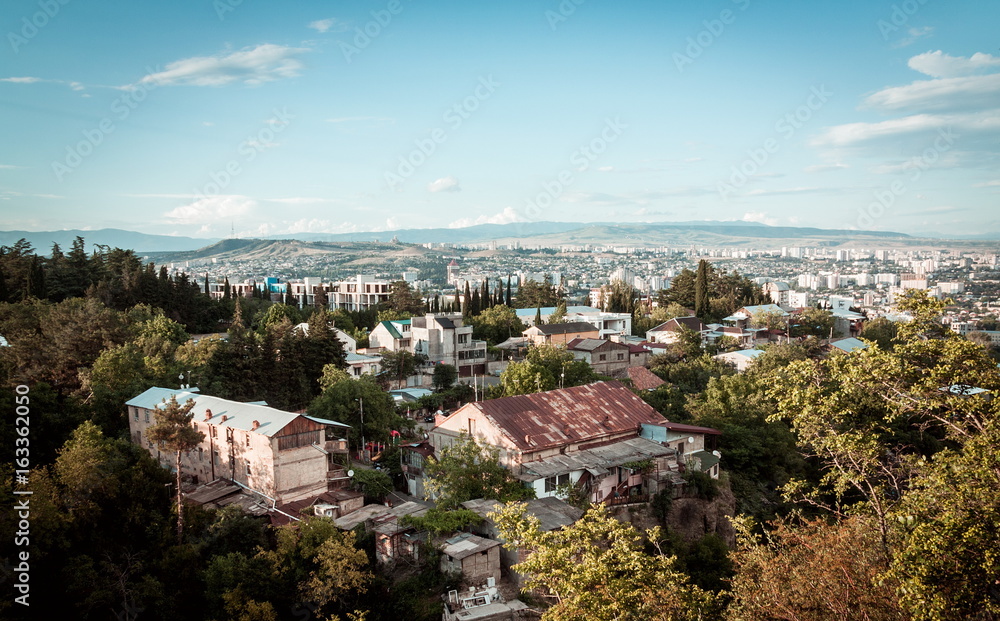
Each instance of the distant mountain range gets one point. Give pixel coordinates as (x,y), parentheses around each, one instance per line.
(729,233)
(114,238)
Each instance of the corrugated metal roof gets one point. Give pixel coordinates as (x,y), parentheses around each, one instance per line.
(552,513)
(569,415)
(596,460)
(644,379)
(238,415)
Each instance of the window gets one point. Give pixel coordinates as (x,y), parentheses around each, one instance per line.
(229,435)
(603,357)
(214,430)
(248,439)
(621,356)
(147,416)
(248,467)
(463,338)
(135,413)
(551,483)
(472,426)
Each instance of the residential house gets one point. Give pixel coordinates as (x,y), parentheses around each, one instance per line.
(696,446)
(442,338)
(413,457)
(605,357)
(561,333)
(778,292)
(607,324)
(669,331)
(280,455)
(391,335)
(393,540)
(584,436)
(361,364)
(476,558)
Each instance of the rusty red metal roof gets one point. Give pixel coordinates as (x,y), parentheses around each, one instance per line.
(644,379)
(569,415)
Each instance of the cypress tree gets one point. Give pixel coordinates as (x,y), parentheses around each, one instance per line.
(508,292)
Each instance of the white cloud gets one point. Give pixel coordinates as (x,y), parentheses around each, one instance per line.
(507,216)
(957,93)
(221,210)
(606,168)
(445,184)
(24,80)
(252,66)
(359,119)
(325,25)
(940,65)
(760,217)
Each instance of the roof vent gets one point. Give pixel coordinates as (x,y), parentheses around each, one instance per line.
(208,414)
(255,425)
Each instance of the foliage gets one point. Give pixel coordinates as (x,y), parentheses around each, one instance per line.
(375,485)
(532,294)
(812,322)
(441,522)
(597,569)
(173,432)
(399,365)
(496,324)
(880,331)
(444,377)
(812,570)
(343,402)
(467,470)
(403,299)
(701,484)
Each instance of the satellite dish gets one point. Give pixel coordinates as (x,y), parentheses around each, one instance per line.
(350,473)
(690,439)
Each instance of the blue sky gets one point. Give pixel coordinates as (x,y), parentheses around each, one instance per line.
(196,118)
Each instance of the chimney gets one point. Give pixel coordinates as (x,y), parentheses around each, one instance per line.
(208,414)
(255,425)
(224,418)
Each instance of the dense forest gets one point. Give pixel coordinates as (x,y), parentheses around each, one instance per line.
(866,485)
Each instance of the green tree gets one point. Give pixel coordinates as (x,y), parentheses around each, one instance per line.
(467,470)
(597,568)
(702,288)
(173,431)
(344,400)
(374,484)
(880,331)
(496,325)
(403,299)
(813,322)
(444,377)
(399,365)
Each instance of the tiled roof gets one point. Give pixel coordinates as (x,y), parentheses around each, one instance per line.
(569,415)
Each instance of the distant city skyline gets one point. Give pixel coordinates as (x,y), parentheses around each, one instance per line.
(202,118)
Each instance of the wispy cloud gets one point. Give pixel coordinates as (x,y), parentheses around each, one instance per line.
(914,35)
(825,167)
(326,25)
(760,217)
(250,66)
